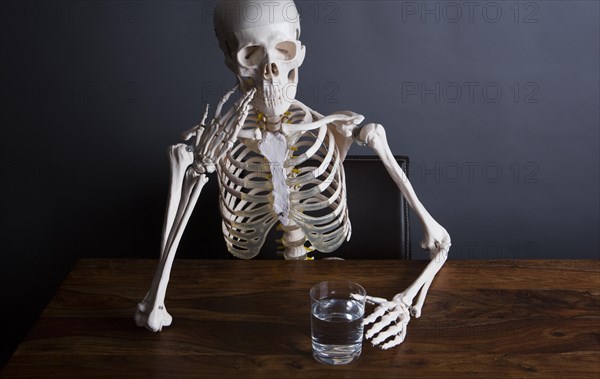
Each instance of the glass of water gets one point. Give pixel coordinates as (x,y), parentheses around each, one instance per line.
(337,310)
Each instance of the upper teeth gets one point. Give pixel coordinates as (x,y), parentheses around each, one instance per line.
(271,93)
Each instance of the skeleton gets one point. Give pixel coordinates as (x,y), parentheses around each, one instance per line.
(278,161)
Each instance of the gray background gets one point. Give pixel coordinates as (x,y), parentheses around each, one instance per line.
(496,103)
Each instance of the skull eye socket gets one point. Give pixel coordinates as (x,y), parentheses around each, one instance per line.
(286,50)
(251,55)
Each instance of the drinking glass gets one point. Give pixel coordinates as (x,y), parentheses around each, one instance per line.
(337,311)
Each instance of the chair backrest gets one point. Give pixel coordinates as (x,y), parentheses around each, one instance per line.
(378,213)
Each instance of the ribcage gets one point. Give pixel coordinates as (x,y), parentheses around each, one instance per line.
(318,196)
(315,178)
(245,201)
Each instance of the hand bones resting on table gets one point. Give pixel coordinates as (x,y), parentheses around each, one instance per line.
(276,160)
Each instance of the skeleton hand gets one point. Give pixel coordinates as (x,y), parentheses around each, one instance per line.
(391,327)
(394,315)
(214,140)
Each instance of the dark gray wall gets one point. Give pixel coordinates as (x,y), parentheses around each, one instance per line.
(496,102)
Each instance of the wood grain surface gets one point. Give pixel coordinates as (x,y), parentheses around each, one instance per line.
(251,319)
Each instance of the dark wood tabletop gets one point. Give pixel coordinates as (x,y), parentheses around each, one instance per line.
(251,319)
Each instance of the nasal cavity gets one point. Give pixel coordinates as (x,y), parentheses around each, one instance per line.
(271,69)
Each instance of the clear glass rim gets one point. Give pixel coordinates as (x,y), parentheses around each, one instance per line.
(346,285)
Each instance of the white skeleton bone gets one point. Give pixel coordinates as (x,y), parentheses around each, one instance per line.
(391,318)
(275,159)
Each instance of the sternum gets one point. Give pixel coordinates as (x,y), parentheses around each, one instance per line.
(274,148)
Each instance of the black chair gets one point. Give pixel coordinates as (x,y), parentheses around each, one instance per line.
(378,213)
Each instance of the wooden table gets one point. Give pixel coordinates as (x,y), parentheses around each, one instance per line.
(250,319)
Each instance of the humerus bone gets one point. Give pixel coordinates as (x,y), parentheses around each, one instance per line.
(187,180)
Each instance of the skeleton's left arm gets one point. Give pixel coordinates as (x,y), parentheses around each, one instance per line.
(391,317)
(374,136)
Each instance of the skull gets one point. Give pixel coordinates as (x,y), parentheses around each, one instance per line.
(260,40)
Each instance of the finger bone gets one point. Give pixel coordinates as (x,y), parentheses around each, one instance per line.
(378,312)
(389,332)
(386,320)
(224,100)
(396,341)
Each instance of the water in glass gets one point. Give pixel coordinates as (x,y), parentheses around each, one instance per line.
(337,330)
